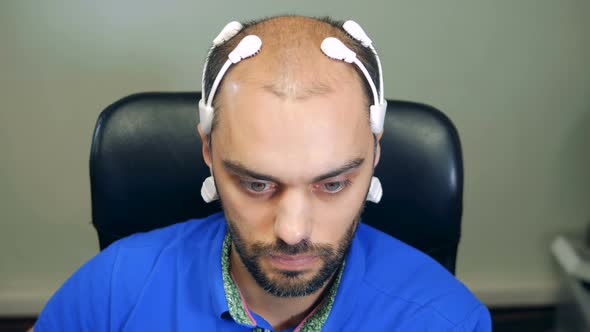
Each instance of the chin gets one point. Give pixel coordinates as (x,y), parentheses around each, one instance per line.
(293,283)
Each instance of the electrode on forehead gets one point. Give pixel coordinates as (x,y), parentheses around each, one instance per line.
(247,47)
(336,50)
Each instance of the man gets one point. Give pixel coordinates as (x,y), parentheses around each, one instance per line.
(290,126)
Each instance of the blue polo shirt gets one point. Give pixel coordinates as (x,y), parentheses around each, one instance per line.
(170,279)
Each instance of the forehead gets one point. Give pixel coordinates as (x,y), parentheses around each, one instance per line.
(291,137)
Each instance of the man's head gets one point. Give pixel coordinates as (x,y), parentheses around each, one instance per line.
(292,152)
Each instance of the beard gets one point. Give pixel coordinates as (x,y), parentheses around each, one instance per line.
(292,283)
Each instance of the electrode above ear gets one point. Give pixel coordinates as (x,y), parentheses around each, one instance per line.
(228,32)
(208,190)
(355,30)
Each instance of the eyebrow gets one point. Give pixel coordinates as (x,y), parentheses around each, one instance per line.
(239,169)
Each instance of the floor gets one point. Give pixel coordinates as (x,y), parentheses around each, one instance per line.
(504,320)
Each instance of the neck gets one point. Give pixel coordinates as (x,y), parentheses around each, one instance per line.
(280,312)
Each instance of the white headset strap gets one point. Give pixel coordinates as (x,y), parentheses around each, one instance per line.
(356,31)
(335,49)
(247,47)
(228,32)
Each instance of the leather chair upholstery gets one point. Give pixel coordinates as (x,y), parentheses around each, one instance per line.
(146,171)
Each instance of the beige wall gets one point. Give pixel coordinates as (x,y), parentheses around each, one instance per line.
(513,75)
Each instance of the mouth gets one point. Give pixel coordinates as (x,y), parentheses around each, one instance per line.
(293,262)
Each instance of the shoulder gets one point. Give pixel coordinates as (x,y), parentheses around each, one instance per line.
(158,239)
(399,273)
(163,251)
(141,251)
(134,257)
(110,283)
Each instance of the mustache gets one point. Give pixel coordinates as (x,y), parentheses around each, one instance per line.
(281,247)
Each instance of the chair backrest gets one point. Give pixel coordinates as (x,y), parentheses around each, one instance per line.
(146,171)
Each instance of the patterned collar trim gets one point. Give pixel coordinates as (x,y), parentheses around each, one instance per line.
(239,310)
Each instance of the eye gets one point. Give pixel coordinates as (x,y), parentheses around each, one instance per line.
(334,186)
(256,187)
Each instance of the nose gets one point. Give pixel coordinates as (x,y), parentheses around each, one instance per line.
(292,221)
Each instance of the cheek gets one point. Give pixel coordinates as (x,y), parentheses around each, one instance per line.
(332,218)
(253,218)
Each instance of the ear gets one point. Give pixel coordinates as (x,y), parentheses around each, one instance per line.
(205,149)
(377,149)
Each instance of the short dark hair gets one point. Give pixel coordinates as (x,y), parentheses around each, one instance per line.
(219,54)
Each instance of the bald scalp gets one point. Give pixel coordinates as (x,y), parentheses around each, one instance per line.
(290,64)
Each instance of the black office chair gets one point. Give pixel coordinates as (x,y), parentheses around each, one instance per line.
(146,171)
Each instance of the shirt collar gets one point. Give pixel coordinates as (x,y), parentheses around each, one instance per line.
(216,287)
(235,301)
